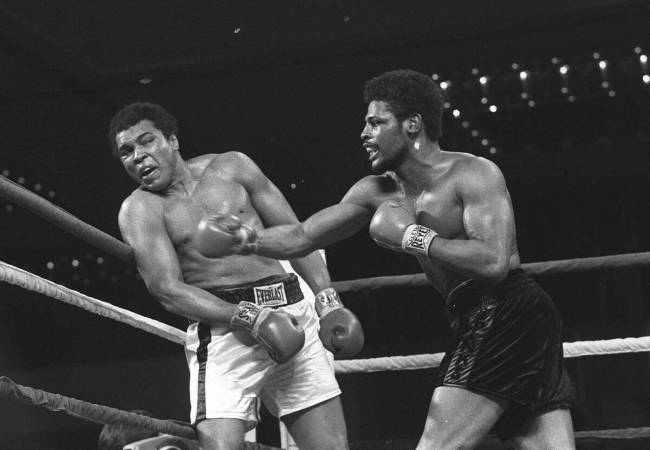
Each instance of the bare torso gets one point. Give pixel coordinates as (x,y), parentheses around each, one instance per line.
(216,191)
(439,207)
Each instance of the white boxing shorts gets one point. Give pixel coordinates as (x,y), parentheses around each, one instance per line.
(230,371)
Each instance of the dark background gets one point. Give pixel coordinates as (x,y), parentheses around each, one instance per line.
(282,82)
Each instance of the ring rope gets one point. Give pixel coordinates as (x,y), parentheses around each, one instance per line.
(100,413)
(619,434)
(90,411)
(428,361)
(536,268)
(26,280)
(106,414)
(58,216)
(29,281)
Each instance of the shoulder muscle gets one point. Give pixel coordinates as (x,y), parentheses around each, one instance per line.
(370,191)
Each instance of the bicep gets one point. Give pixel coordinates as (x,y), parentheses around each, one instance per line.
(487,212)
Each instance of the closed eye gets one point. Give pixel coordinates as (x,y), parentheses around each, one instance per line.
(125,150)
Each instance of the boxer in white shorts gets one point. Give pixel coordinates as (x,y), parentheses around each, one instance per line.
(229,372)
(179,223)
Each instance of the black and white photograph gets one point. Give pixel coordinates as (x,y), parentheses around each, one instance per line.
(301,225)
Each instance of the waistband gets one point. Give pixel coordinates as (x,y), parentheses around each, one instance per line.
(472,292)
(272,292)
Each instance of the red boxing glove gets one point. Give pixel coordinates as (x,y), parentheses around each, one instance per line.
(222,235)
(393,226)
(277,331)
(340,330)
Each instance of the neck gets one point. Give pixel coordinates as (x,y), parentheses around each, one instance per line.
(183,181)
(415,171)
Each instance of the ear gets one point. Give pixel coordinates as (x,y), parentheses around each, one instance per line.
(414,123)
(173,141)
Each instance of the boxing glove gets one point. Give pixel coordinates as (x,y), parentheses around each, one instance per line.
(277,332)
(222,235)
(393,226)
(340,330)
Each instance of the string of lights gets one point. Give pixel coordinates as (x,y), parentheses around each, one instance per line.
(529,85)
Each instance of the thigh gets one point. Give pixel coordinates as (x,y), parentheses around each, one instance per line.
(459,418)
(553,429)
(221,434)
(226,375)
(319,427)
(306,380)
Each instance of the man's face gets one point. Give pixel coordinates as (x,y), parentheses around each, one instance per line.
(383,138)
(148,157)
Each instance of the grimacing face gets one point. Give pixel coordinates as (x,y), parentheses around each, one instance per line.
(383,137)
(147,156)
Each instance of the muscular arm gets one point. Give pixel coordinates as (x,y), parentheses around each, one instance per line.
(489,224)
(142,227)
(323,228)
(285,237)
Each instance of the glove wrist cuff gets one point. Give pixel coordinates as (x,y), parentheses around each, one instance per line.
(417,240)
(326,301)
(247,316)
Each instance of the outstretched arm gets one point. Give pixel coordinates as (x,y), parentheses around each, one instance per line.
(278,241)
(324,228)
(327,226)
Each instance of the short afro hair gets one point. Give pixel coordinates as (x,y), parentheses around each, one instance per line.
(408,92)
(135,113)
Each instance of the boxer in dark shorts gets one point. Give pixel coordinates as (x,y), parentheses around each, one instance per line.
(507,344)
(453,212)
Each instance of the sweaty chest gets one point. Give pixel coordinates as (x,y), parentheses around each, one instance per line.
(182,214)
(440,210)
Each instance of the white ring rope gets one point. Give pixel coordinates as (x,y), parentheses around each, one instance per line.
(29,281)
(19,277)
(428,361)
(607,347)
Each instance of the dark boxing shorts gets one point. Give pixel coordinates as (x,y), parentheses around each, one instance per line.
(508,344)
